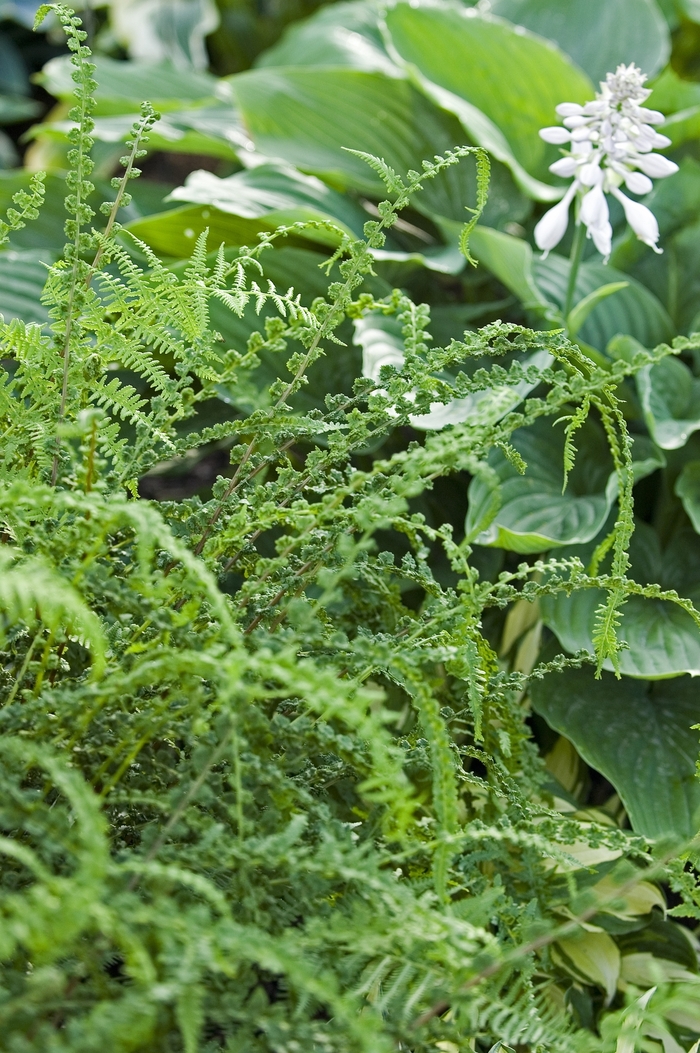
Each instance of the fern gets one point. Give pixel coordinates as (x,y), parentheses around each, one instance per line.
(252,797)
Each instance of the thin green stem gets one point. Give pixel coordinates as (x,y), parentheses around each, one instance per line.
(574,264)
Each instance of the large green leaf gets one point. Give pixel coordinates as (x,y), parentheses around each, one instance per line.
(340,35)
(511,261)
(215,131)
(534,514)
(598,34)
(311,117)
(662,640)
(22,278)
(688,489)
(639,735)
(634,311)
(670,398)
(271,189)
(236,209)
(122,86)
(462,78)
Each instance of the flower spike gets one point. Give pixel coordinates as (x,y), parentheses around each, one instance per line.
(610,140)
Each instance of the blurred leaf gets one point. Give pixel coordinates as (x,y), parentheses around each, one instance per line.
(341,35)
(688,489)
(122,86)
(165,30)
(46,232)
(670,398)
(647,749)
(13,69)
(271,188)
(598,34)
(634,311)
(662,640)
(583,308)
(590,957)
(461,78)
(690,8)
(22,279)
(15,108)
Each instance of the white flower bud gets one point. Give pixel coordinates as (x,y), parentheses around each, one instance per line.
(555,135)
(594,208)
(641,219)
(569,109)
(552,227)
(650,116)
(602,239)
(656,166)
(637,183)
(659,142)
(565,167)
(590,173)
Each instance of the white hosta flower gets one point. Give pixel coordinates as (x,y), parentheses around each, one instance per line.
(610,141)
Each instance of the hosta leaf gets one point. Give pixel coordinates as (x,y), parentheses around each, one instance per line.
(461,78)
(670,398)
(511,261)
(22,279)
(175,232)
(688,489)
(122,86)
(534,514)
(590,956)
(661,639)
(648,748)
(339,35)
(634,311)
(599,34)
(311,117)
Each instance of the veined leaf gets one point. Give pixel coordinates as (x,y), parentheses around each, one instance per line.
(534,514)
(670,397)
(312,117)
(461,78)
(662,640)
(634,311)
(122,86)
(648,748)
(339,35)
(22,278)
(599,34)
(511,261)
(583,308)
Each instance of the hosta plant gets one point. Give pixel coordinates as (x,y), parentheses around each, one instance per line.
(266,783)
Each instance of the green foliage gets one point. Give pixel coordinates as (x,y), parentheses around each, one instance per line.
(268,768)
